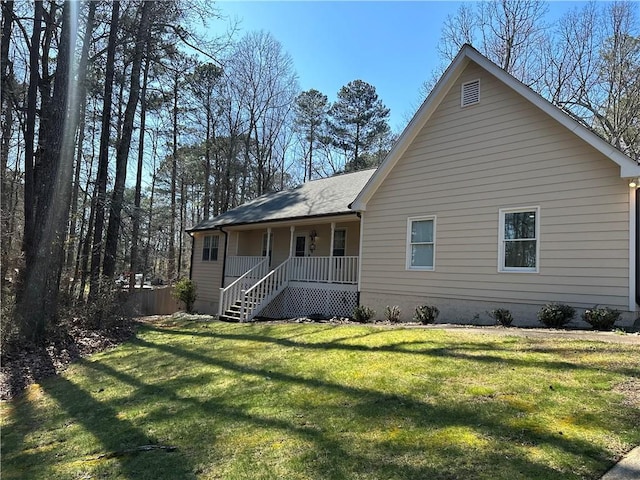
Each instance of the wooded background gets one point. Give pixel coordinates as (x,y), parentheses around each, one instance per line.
(122,126)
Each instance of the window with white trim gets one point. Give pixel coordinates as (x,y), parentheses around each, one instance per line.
(210,248)
(519,245)
(339,242)
(421,244)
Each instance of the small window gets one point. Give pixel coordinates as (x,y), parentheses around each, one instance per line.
(519,239)
(210,248)
(470,93)
(339,242)
(421,234)
(264,244)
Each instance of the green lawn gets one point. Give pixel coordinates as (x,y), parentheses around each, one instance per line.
(320,401)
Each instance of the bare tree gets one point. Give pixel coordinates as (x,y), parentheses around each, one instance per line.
(265,86)
(511,32)
(122,151)
(103,155)
(594,71)
(508,32)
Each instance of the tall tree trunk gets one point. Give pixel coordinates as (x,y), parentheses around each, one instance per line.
(38,306)
(28,245)
(149,219)
(207,165)
(122,152)
(82,93)
(6,75)
(183,209)
(135,232)
(100,194)
(81,271)
(171,267)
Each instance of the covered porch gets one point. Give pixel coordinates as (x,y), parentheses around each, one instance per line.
(269,269)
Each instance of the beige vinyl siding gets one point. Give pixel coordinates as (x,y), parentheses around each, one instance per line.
(250,244)
(207,274)
(465,165)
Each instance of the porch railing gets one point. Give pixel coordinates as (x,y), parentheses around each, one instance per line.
(324,269)
(260,294)
(250,293)
(239,265)
(230,294)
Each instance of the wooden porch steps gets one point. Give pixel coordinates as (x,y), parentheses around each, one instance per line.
(233,314)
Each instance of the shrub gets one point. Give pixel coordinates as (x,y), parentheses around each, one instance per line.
(185,291)
(502,316)
(363,314)
(392,313)
(602,318)
(556,315)
(107,309)
(426,314)
(10,335)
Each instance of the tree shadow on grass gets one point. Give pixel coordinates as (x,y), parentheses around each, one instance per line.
(20,421)
(372,406)
(119,438)
(332,453)
(472,351)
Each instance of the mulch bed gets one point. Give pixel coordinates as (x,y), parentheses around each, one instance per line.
(20,367)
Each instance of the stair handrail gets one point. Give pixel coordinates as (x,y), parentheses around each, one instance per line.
(263,290)
(232,292)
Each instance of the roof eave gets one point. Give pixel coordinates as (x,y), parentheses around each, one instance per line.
(272,221)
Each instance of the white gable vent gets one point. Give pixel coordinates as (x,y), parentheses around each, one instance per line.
(470,93)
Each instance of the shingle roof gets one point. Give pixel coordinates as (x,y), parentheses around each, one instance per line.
(326,196)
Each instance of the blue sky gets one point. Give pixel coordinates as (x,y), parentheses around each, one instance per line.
(389,44)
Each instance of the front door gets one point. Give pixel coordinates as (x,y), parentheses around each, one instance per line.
(301,246)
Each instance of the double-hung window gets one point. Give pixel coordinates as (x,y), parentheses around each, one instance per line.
(421,243)
(339,242)
(519,242)
(210,248)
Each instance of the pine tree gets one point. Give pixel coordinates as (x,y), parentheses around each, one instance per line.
(358,119)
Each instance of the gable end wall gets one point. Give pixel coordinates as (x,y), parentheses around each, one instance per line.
(464,166)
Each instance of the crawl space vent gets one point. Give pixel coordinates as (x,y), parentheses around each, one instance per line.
(470,93)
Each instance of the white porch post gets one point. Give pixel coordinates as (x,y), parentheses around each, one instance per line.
(292,229)
(633,307)
(331,265)
(269,245)
(360,252)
